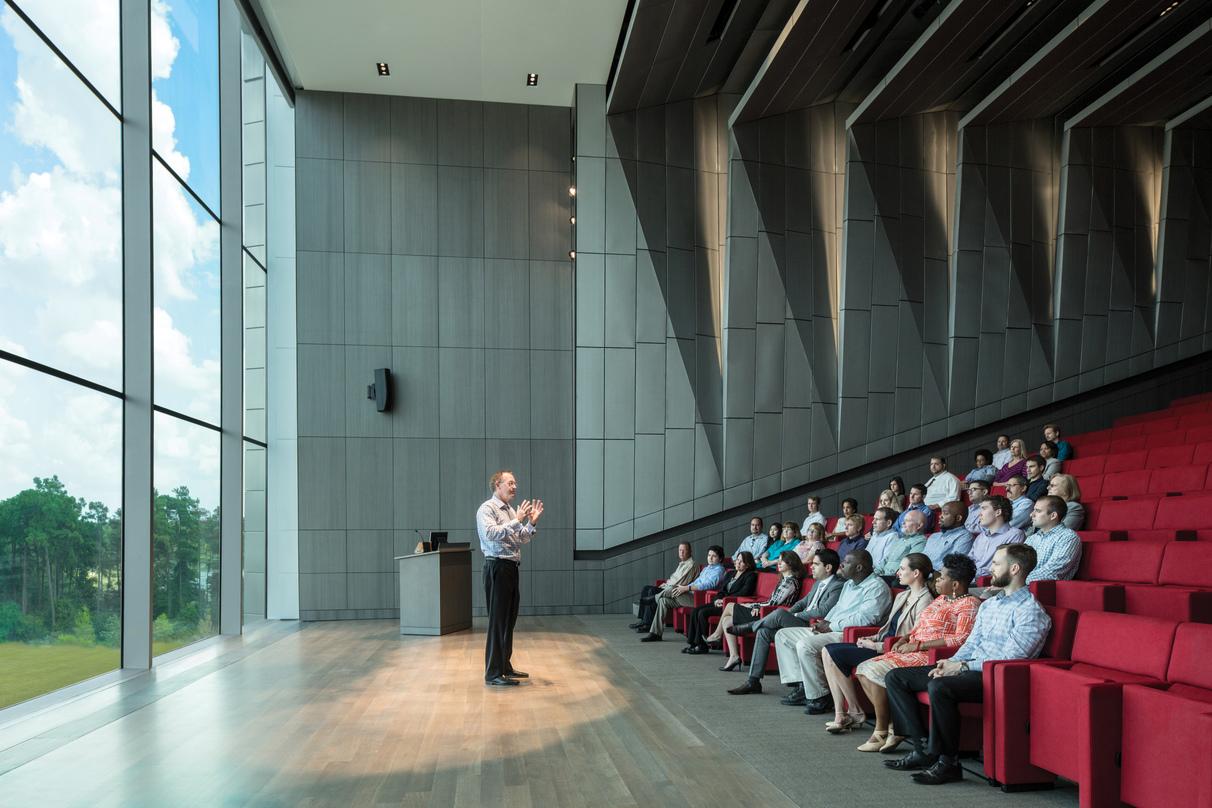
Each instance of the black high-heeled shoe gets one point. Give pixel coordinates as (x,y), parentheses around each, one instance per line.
(731,666)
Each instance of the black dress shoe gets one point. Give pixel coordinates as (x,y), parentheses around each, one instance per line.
(651,638)
(637,624)
(696,650)
(818,706)
(911,762)
(517,675)
(687,649)
(795,698)
(750,686)
(940,773)
(500,681)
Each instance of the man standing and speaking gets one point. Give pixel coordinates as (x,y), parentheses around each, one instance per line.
(503,530)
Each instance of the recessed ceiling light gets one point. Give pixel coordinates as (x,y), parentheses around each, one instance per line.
(532,79)
(383,69)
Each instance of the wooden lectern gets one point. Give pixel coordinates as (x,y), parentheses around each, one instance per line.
(435,591)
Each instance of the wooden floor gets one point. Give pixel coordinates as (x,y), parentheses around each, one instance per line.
(351,714)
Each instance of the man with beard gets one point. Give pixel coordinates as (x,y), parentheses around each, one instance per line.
(1011,625)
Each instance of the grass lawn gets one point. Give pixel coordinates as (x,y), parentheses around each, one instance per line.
(31,670)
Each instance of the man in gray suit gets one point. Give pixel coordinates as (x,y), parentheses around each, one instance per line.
(826,589)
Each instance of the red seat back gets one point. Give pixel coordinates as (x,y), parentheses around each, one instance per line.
(1188,512)
(1092,486)
(766,583)
(1195,420)
(1203,452)
(1177,478)
(1189,656)
(1126,514)
(1198,434)
(1156,426)
(1166,456)
(1176,438)
(1121,561)
(1124,483)
(1085,465)
(831,524)
(1124,642)
(1059,644)
(1186,563)
(1126,461)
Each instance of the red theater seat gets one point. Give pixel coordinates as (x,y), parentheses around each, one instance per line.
(1105,568)
(1174,438)
(1183,591)
(1167,456)
(746,641)
(1188,512)
(1123,484)
(1177,479)
(1198,434)
(1006,726)
(1126,514)
(1085,465)
(1126,461)
(1203,452)
(1159,425)
(1167,730)
(1074,707)
(1092,486)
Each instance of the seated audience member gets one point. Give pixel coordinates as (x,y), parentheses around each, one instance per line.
(739,582)
(881,533)
(864,601)
(943,486)
(1017,463)
(911,539)
(984,468)
(812,541)
(917,496)
(897,486)
(946,623)
(792,572)
(1016,492)
(952,536)
(1052,464)
(683,594)
(788,541)
(849,508)
(1002,456)
(891,501)
(1065,486)
(1037,486)
(1064,450)
(1011,625)
(755,542)
(826,588)
(682,574)
(814,512)
(853,538)
(841,658)
(1058,550)
(996,530)
(977,491)
(773,534)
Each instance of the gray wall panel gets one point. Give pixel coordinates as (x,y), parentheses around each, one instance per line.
(414,209)
(414,130)
(367,207)
(367,299)
(414,300)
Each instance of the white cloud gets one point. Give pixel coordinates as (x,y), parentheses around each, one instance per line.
(182,383)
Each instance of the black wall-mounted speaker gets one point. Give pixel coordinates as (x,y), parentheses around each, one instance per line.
(380,391)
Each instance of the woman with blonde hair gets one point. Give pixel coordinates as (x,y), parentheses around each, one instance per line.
(811,541)
(1016,466)
(1065,486)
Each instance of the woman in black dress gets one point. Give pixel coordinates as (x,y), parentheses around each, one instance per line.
(738,583)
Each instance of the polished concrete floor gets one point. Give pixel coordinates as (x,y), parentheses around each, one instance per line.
(351,714)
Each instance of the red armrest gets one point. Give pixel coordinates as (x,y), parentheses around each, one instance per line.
(853,633)
(739,599)
(984,580)
(765,610)
(660,581)
(945,652)
(705,597)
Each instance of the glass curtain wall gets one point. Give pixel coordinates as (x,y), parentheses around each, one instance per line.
(61,334)
(60,344)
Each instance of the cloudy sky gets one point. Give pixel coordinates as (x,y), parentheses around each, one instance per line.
(61,247)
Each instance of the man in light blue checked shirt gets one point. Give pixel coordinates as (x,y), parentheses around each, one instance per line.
(503,530)
(1011,625)
(1057,548)
(755,542)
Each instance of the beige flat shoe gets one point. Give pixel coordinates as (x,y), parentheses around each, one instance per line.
(876,742)
(892,743)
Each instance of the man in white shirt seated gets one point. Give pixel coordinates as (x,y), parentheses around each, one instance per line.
(881,533)
(755,542)
(1002,456)
(943,486)
(814,515)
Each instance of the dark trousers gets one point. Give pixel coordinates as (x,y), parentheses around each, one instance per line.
(697,629)
(648,604)
(767,627)
(502,597)
(946,695)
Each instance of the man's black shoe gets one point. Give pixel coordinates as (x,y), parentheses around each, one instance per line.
(637,624)
(500,681)
(940,773)
(818,706)
(695,650)
(651,638)
(750,686)
(795,698)
(517,675)
(687,649)
(911,762)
